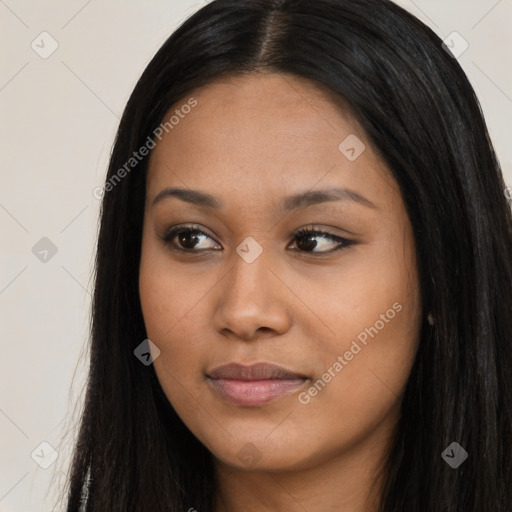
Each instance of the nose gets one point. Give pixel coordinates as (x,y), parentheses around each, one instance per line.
(252,301)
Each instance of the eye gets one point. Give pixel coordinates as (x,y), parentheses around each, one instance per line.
(187,239)
(191,239)
(307,243)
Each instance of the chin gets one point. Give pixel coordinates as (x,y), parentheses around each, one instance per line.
(277,455)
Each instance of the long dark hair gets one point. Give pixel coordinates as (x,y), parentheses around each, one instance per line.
(133,452)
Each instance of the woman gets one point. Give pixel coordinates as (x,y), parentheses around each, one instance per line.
(303,295)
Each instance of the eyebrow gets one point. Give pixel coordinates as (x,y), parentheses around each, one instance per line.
(287,204)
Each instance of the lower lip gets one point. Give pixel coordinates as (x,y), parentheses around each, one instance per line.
(255,392)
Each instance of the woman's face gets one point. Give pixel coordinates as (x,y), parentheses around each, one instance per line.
(258,159)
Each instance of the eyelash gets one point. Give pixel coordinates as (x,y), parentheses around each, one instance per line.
(310,231)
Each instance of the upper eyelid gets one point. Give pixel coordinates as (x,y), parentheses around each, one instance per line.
(193,228)
(312,228)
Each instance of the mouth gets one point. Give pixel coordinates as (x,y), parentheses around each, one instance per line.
(254,385)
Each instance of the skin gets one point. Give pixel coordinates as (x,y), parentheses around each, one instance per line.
(250,141)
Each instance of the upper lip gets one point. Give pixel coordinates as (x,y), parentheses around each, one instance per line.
(256,371)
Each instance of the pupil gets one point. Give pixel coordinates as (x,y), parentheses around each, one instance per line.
(191,238)
(310,244)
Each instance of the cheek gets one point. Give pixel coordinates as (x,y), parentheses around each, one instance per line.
(362,382)
(379,285)
(171,309)
(169,315)
(168,295)
(375,318)
(179,336)
(363,368)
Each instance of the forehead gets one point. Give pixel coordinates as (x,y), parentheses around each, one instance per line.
(250,91)
(261,132)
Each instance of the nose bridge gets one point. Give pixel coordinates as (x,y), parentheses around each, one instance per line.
(249,275)
(250,297)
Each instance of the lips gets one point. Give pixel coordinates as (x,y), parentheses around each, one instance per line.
(257,371)
(254,385)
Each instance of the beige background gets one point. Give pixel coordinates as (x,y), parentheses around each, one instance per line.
(58,120)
